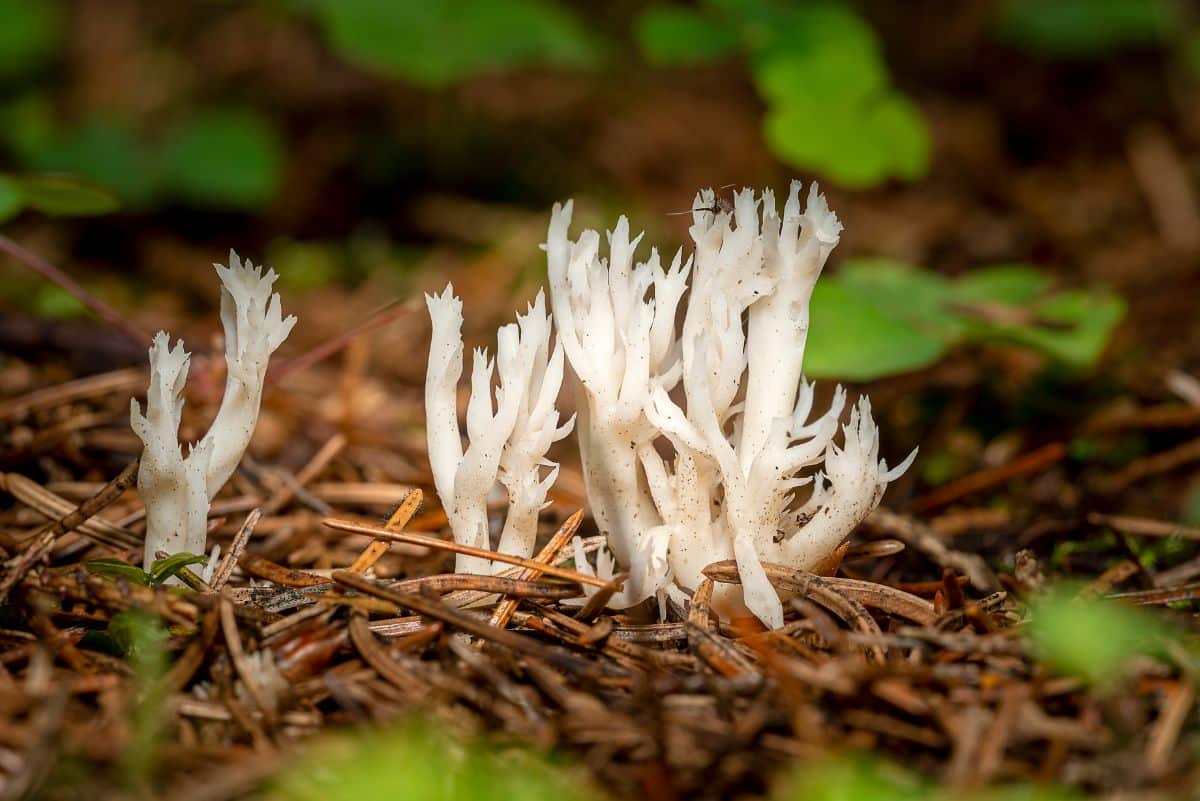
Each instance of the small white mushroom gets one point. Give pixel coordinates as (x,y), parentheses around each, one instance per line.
(177,489)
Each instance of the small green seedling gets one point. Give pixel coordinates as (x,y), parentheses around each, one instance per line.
(159,573)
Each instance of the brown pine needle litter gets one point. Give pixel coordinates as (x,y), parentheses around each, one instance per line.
(913,646)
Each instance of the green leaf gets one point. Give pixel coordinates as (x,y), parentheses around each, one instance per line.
(823,54)
(64,195)
(1073,326)
(29,33)
(857,144)
(916,295)
(850,778)
(434,44)
(117,568)
(27,124)
(1093,640)
(10,199)
(56,303)
(421,761)
(820,76)
(851,338)
(670,35)
(1085,28)
(102,152)
(163,569)
(225,158)
(901,133)
(1010,284)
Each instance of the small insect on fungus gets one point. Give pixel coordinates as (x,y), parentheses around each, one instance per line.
(719,205)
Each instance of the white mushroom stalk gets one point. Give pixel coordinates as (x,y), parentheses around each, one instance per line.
(508,435)
(177,489)
(740,429)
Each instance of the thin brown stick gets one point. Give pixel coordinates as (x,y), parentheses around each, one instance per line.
(1033,462)
(446,545)
(506,607)
(920,537)
(44,539)
(469,582)
(868,593)
(52,505)
(376,548)
(48,271)
(390,312)
(1144,526)
(125,380)
(237,655)
(1177,702)
(452,617)
(225,568)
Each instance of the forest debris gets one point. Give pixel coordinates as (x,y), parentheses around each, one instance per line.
(43,539)
(1144,526)
(919,536)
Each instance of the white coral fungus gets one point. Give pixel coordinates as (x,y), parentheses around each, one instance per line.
(508,438)
(721,393)
(178,489)
(696,426)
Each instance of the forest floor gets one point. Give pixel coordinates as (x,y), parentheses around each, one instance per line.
(916,649)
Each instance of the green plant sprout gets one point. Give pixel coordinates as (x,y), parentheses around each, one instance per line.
(142,639)
(161,570)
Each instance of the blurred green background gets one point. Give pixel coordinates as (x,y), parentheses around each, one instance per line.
(981,153)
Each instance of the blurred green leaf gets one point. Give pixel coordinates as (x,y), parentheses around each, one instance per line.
(876,317)
(10,199)
(823,53)
(163,569)
(1012,284)
(434,44)
(56,303)
(857,144)
(850,778)
(852,338)
(1093,640)
(670,35)
(27,124)
(1085,28)
(224,158)
(64,195)
(117,568)
(29,32)
(105,153)
(902,135)
(419,761)
(141,637)
(305,265)
(1072,326)
(918,296)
